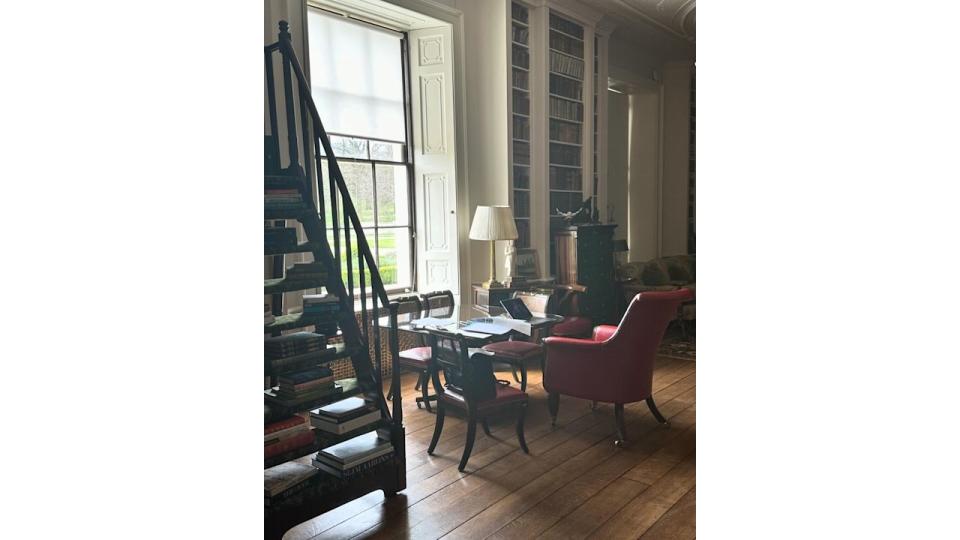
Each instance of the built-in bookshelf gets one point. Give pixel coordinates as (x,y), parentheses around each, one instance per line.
(566,115)
(520,130)
(692,191)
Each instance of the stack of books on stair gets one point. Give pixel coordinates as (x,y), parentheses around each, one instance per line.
(354,455)
(286,480)
(317,305)
(304,387)
(307,272)
(286,435)
(294,351)
(282,195)
(279,238)
(268,316)
(345,415)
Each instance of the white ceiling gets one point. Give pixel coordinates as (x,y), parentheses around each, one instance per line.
(676,17)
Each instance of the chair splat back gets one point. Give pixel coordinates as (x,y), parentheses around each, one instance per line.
(438,304)
(470,375)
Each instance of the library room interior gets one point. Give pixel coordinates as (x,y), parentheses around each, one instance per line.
(479,269)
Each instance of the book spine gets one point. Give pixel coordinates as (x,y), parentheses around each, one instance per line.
(355,469)
(303,439)
(284,424)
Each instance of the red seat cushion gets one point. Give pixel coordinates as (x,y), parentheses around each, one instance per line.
(573,326)
(418,357)
(514,350)
(506,395)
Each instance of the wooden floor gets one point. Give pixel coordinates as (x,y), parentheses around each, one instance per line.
(574,484)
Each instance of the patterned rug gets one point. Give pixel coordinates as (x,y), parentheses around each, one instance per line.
(678,348)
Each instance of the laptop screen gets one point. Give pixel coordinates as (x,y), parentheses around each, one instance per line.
(517,309)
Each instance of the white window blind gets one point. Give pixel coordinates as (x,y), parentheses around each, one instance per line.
(356,77)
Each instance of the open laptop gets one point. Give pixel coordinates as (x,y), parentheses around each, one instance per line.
(517,309)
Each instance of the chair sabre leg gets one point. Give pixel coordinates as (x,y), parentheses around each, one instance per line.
(425,390)
(437,428)
(471,435)
(520,438)
(486,426)
(656,412)
(523,377)
(621,428)
(553,404)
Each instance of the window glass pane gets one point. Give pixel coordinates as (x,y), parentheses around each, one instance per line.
(360,92)
(384,151)
(359,180)
(348,147)
(394,256)
(393,201)
(354,253)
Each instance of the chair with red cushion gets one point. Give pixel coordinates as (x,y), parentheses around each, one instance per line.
(616,365)
(518,352)
(472,387)
(417,359)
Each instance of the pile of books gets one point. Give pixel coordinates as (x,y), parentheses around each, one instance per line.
(286,435)
(267,314)
(345,415)
(321,304)
(282,195)
(307,271)
(354,455)
(561,63)
(279,238)
(304,387)
(294,351)
(285,480)
(565,110)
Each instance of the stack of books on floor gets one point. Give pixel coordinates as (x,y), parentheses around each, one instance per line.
(354,455)
(307,271)
(345,415)
(294,351)
(279,238)
(286,435)
(304,387)
(285,480)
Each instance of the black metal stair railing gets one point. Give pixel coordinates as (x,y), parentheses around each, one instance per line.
(306,138)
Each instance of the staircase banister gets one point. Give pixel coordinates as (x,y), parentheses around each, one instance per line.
(286,48)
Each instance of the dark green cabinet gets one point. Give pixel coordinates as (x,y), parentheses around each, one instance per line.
(585,257)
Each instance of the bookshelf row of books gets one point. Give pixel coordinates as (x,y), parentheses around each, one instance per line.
(519,13)
(521,177)
(566,65)
(565,132)
(521,152)
(566,44)
(521,128)
(567,27)
(565,109)
(521,57)
(299,350)
(520,34)
(565,87)
(565,155)
(566,178)
(521,79)
(521,102)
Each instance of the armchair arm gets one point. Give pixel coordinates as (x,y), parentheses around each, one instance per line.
(603,332)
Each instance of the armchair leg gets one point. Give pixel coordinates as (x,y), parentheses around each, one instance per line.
(471,434)
(621,428)
(656,412)
(486,426)
(553,404)
(523,442)
(437,428)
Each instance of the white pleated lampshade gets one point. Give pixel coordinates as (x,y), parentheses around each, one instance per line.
(493,223)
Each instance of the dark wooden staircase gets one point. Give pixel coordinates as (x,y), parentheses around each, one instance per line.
(293,147)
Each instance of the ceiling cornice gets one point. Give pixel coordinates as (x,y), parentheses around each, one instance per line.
(686,10)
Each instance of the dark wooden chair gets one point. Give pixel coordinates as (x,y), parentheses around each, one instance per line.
(417,359)
(472,387)
(517,352)
(437,304)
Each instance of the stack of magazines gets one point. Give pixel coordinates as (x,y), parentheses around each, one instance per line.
(354,455)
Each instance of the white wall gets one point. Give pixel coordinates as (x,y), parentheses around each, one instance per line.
(618,147)
(644,178)
(676,153)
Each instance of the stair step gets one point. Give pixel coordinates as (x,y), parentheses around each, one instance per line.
(303,247)
(275,210)
(274,410)
(298,320)
(286,284)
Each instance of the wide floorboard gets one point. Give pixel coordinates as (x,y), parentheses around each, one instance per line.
(574,483)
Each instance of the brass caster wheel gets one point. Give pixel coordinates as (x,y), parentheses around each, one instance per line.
(618,443)
(419,404)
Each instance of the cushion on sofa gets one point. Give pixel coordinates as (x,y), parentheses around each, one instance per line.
(678,268)
(655,273)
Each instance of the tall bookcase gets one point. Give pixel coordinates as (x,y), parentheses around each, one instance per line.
(557,64)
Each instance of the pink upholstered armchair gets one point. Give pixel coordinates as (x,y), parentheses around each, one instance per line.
(616,365)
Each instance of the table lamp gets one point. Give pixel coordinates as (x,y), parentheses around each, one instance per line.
(493,223)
